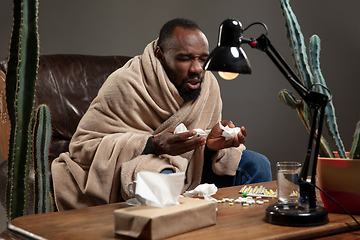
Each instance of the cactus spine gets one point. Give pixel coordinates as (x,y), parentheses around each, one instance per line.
(310,75)
(20,89)
(41,142)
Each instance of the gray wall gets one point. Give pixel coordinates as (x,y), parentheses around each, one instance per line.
(125,27)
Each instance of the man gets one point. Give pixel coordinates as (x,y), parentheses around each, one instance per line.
(129,127)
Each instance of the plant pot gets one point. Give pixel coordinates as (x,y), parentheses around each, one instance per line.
(340,178)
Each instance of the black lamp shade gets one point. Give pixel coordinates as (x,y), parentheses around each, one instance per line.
(228,56)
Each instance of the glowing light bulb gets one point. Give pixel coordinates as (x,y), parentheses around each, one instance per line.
(228,75)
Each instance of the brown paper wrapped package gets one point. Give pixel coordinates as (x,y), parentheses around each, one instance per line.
(147,222)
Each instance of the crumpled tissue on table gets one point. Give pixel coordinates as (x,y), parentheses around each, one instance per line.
(203,190)
(159,190)
(182,128)
(228,132)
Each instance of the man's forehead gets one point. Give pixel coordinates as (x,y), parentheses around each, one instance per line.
(186,39)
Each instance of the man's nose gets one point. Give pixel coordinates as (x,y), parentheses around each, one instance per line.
(196,66)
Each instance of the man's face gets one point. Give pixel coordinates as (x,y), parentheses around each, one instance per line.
(183,60)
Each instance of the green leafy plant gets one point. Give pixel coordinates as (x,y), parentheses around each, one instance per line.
(310,74)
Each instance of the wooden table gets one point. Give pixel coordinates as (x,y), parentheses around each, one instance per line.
(234,222)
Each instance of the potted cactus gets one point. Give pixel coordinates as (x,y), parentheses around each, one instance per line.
(29,136)
(337,171)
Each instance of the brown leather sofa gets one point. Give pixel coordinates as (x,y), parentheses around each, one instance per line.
(67,84)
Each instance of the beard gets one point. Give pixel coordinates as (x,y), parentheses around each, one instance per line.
(189,96)
(192,94)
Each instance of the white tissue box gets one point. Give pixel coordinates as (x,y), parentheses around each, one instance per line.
(147,222)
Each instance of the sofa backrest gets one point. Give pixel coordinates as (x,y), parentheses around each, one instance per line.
(67,84)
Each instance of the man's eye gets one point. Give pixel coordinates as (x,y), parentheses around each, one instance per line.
(185,59)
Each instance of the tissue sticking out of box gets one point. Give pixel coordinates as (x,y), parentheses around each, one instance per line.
(228,132)
(203,190)
(159,190)
(182,128)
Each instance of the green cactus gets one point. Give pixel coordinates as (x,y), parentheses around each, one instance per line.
(297,44)
(355,147)
(310,75)
(41,143)
(298,48)
(20,88)
(329,109)
(287,98)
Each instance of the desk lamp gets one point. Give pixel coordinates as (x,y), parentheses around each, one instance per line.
(229,59)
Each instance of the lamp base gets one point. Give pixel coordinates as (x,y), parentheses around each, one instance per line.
(295,215)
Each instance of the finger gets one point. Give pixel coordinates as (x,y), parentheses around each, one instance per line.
(227,123)
(243,130)
(191,144)
(196,141)
(185,135)
(235,142)
(241,137)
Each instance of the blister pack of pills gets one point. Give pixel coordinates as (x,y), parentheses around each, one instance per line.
(257,191)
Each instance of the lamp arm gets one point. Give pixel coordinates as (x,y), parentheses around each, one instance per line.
(315,100)
(263,43)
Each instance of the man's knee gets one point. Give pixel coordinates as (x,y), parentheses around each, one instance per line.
(264,161)
(255,165)
(167,171)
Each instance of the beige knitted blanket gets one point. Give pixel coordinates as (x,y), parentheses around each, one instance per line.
(136,101)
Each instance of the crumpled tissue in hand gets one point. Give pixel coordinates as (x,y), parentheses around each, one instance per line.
(203,190)
(182,128)
(228,132)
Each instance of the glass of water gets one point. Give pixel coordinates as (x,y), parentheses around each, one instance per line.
(287,181)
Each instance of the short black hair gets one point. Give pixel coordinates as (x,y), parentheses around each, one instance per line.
(167,30)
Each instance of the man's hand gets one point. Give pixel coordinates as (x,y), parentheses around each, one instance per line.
(215,141)
(176,144)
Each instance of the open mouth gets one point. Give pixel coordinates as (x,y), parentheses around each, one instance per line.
(193,83)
